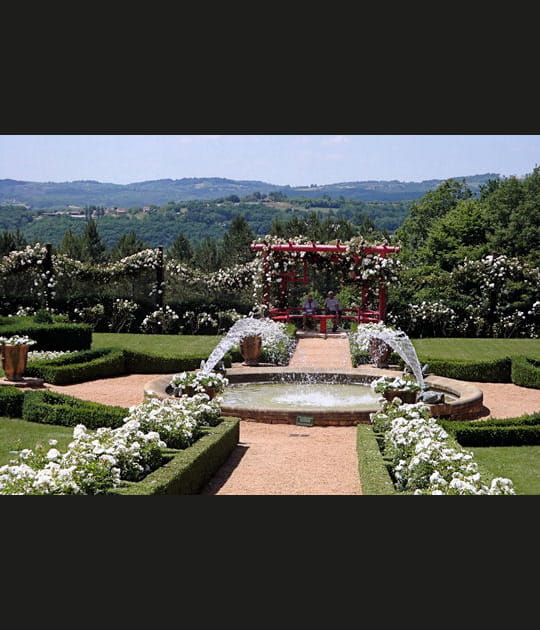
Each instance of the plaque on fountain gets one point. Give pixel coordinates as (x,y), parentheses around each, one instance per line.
(304,421)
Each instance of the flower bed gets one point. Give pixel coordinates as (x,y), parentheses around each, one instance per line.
(424,459)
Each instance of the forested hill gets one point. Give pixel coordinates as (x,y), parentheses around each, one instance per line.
(57,195)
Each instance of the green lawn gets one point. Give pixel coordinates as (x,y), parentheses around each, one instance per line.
(521,464)
(157,344)
(466,349)
(16,434)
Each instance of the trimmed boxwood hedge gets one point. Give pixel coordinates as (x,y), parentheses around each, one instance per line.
(57,336)
(11,401)
(374,474)
(189,469)
(526,372)
(54,408)
(87,365)
(521,431)
(495,371)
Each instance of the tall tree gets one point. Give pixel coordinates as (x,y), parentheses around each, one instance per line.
(93,247)
(71,245)
(431,207)
(181,249)
(235,248)
(206,255)
(10,241)
(127,245)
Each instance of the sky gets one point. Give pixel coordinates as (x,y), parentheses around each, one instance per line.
(280,159)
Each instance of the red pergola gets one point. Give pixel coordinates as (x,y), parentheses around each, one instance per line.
(336,251)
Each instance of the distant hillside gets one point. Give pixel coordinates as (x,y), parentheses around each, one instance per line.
(57,195)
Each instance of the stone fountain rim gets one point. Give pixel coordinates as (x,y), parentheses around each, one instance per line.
(468,402)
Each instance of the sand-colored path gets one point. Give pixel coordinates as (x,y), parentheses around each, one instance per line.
(283,459)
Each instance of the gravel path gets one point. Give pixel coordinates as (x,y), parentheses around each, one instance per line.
(284,459)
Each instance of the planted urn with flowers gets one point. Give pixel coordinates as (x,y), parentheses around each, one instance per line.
(191,383)
(391,387)
(15,355)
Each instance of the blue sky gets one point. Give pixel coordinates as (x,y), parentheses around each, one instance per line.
(282,159)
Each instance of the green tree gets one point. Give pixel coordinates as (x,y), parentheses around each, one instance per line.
(512,215)
(127,245)
(432,206)
(71,245)
(459,234)
(181,249)
(10,241)
(235,248)
(206,255)
(93,248)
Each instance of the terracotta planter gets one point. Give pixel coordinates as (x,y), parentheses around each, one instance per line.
(406,397)
(14,360)
(191,391)
(250,348)
(379,352)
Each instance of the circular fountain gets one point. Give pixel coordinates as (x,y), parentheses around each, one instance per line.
(292,395)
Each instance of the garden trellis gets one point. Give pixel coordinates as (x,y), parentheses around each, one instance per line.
(354,262)
(43,279)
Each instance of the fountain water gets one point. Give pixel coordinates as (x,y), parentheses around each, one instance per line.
(456,399)
(398,341)
(242,328)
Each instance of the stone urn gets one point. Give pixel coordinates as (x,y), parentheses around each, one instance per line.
(404,395)
(250,349)
(14,358)
(379,352)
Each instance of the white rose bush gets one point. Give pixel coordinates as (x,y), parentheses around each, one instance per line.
(96,461)
(423,459)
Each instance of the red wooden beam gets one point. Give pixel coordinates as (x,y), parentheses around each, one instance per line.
(318,247)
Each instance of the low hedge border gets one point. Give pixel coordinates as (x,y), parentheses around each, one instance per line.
(49,407)
(86,365)
(495,371)
(89,365)
(525,372)
(189,469)
(11,401)
(374,474)
(521,431)
(185,471)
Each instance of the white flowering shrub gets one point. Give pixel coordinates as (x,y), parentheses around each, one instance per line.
(198,382)
(94,462)
(427,319)
(123,315)
(422,457)
(277,345)
(92,315)
(177,421)
(162,321)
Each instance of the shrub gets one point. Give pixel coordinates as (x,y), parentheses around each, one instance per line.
(54,408)
(190,469)
(495,371)
(525,372)
(11,401)
(77,367)
(521,431)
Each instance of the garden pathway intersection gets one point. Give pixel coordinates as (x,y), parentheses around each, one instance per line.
(285,459)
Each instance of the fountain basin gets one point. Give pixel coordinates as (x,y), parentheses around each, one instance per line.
(466,399)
